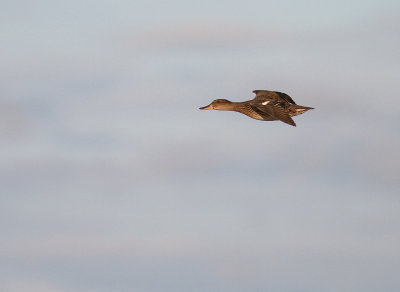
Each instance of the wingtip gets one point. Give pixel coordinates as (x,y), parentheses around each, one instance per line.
(291,123)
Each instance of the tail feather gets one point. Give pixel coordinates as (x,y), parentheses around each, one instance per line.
(299,109)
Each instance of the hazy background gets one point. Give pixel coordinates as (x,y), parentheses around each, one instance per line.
(113,180)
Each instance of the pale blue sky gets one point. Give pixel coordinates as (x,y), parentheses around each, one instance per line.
(112,179)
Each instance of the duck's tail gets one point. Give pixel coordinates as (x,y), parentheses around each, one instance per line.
(299,109)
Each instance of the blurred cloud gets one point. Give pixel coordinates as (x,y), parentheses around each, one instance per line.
(14,125)
(203,36)
(233,36)
(31,285)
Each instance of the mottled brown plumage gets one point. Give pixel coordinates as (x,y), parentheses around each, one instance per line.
(266,106)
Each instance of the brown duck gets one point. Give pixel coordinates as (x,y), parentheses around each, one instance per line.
(266,106)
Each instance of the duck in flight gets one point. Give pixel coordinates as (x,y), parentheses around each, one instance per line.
(266,106)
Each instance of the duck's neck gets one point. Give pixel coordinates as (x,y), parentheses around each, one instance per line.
(232,106)
(241,107)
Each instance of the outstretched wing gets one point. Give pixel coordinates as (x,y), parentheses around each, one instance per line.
(274,95)
(271,109)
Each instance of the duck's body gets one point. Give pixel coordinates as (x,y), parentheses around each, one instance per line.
(266,106)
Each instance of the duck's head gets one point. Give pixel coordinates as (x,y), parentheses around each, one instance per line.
(218,104)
